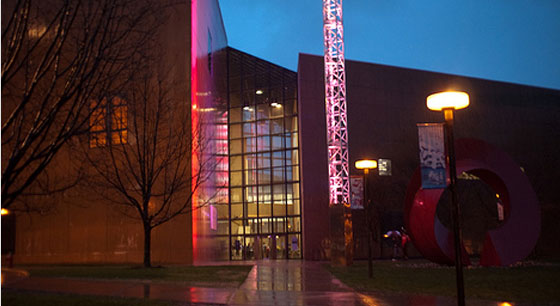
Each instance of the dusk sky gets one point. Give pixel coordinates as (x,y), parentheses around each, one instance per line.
(515,41)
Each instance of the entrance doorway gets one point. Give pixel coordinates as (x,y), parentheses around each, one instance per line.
(265,247)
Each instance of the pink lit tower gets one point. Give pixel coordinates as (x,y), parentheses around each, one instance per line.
(335,102)
(337,134)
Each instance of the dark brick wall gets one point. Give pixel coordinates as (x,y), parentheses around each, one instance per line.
(385,104)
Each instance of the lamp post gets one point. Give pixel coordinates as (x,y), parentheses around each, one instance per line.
(447,102)
(366,164)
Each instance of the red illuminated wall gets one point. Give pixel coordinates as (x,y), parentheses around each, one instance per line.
(207,103)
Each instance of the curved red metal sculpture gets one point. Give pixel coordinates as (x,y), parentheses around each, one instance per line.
(512,241)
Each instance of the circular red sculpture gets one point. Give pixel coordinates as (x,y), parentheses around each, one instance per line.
(512,241)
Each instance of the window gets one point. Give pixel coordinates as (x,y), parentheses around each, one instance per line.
(264,185)
(108,122)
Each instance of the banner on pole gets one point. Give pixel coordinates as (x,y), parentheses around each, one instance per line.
(432,155)
(356,192)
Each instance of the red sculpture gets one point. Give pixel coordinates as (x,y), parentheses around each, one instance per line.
(512,241)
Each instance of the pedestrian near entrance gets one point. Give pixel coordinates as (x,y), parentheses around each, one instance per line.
(405,239)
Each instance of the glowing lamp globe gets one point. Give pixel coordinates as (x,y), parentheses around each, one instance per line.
(366,164)
(447,100)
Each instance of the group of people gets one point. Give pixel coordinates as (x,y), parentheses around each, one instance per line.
(399,241)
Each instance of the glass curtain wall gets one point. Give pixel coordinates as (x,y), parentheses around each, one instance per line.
(264,190)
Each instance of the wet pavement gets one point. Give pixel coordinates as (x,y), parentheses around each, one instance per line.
(268,283)
(293,283)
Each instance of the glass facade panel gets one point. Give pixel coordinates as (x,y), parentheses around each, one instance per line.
(248,97)
(279,193)
(277,142)
(291,124)
(235,131)
(235,163)
(294,224)
(290,107)
(235,101)
(277,158)
(249,144)
(264,176)
(276,110)
(237,247)
(251,209)
(236,195)
(248,113)
(277,126)
(294,246)
(235,114)
(251,194)
(263,160)
(236,178)
(278,174)
(292,157)
(264,211)
(250,176)
(236,210)
(235,147)
(292,173)
(263,127)
(279,225)
(249,130)
(265,197)
(263,111)
(294,208)
(223,211)
(281,250)
(263,143)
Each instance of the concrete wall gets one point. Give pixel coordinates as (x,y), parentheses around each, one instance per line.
(82,227)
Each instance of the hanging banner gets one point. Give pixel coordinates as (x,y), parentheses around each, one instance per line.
(432,155)
(356,192)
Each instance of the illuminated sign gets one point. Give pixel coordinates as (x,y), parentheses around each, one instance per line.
(384,167)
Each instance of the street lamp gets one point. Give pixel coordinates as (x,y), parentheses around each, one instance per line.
(447,102)
(366,164)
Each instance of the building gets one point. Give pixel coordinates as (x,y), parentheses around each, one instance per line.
(263,128)
(385,104)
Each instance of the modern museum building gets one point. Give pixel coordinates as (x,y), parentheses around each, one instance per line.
(264,131)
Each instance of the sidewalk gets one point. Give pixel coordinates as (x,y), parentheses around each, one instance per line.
(269,283)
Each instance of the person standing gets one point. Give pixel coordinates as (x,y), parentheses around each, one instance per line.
(404,241)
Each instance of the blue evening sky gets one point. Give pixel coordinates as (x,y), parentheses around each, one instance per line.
(515,41)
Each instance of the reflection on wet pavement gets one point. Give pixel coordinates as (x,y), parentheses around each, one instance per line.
(280,282)
(293,283)
(308,283)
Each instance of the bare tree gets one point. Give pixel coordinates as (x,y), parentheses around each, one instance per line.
(147,171)
(56,56)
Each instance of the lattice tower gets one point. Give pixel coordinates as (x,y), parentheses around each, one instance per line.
(335,102)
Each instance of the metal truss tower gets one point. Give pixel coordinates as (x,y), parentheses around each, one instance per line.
(335,102)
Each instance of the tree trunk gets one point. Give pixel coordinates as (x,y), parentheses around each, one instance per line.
(147,245)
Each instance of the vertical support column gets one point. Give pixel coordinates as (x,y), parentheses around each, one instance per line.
(455,207)
(335,103)
(337,134)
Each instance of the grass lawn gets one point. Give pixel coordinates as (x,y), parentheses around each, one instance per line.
(206,276)
(14,298)
(530,282)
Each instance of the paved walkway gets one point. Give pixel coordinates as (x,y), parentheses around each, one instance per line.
(268,283)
